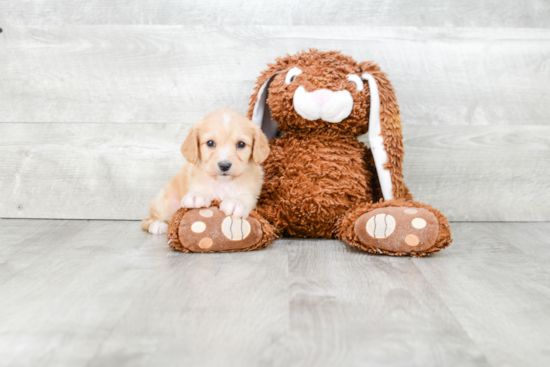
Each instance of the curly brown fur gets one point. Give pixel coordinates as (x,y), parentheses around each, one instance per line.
(318,169)
(390,122)
(318,173)
(305,193)
(345,227)
(270,233)
(329,70)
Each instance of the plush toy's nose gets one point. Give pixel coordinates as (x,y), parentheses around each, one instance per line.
(321,96)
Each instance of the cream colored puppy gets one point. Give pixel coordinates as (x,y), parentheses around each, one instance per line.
(223,154)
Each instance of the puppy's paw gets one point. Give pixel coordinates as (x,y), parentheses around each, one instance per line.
(158,227)
(234,207)
(195,200)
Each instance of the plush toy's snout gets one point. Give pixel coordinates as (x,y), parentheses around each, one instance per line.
(323,104)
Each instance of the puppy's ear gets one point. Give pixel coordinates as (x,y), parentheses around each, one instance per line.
(190,147)
(260,150)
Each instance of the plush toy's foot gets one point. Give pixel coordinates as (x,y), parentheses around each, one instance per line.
(396,227)
(210,230)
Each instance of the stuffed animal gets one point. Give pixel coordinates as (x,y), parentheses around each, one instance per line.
(320,181)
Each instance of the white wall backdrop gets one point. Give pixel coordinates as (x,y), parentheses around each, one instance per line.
(96,96)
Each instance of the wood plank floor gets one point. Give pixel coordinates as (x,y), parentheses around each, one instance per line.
(104,293)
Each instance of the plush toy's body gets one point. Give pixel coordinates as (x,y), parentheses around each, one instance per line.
(311,180)
(320,181)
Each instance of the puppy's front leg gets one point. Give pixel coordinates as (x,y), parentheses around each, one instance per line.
(194,200)
(239,206)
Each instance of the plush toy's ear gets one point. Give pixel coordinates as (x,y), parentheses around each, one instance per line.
(190,146)
(385,137)
(258,110)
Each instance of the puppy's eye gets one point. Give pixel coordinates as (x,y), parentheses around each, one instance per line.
(356,80)
(292,74)
(241,144)
(211,143)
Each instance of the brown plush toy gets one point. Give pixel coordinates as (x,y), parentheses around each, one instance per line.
(320,181)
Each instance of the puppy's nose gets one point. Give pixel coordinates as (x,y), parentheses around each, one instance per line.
(224,166)
(321,96)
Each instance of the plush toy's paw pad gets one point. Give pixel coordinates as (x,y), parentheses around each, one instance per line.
(158,227)
(398,229)
(209,230)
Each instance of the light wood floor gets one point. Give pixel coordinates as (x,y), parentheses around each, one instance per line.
(103,293)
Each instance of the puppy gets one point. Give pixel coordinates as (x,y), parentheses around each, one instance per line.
(223,153)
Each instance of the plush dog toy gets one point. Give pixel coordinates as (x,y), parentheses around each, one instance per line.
(320,181)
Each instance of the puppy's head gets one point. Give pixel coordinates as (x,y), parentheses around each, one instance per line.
(224,143)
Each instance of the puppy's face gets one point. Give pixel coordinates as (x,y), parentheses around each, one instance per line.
(224,144)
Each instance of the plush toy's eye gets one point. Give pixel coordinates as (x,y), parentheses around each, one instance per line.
(292,74)
(357,80)
(211,143)
(241,144)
